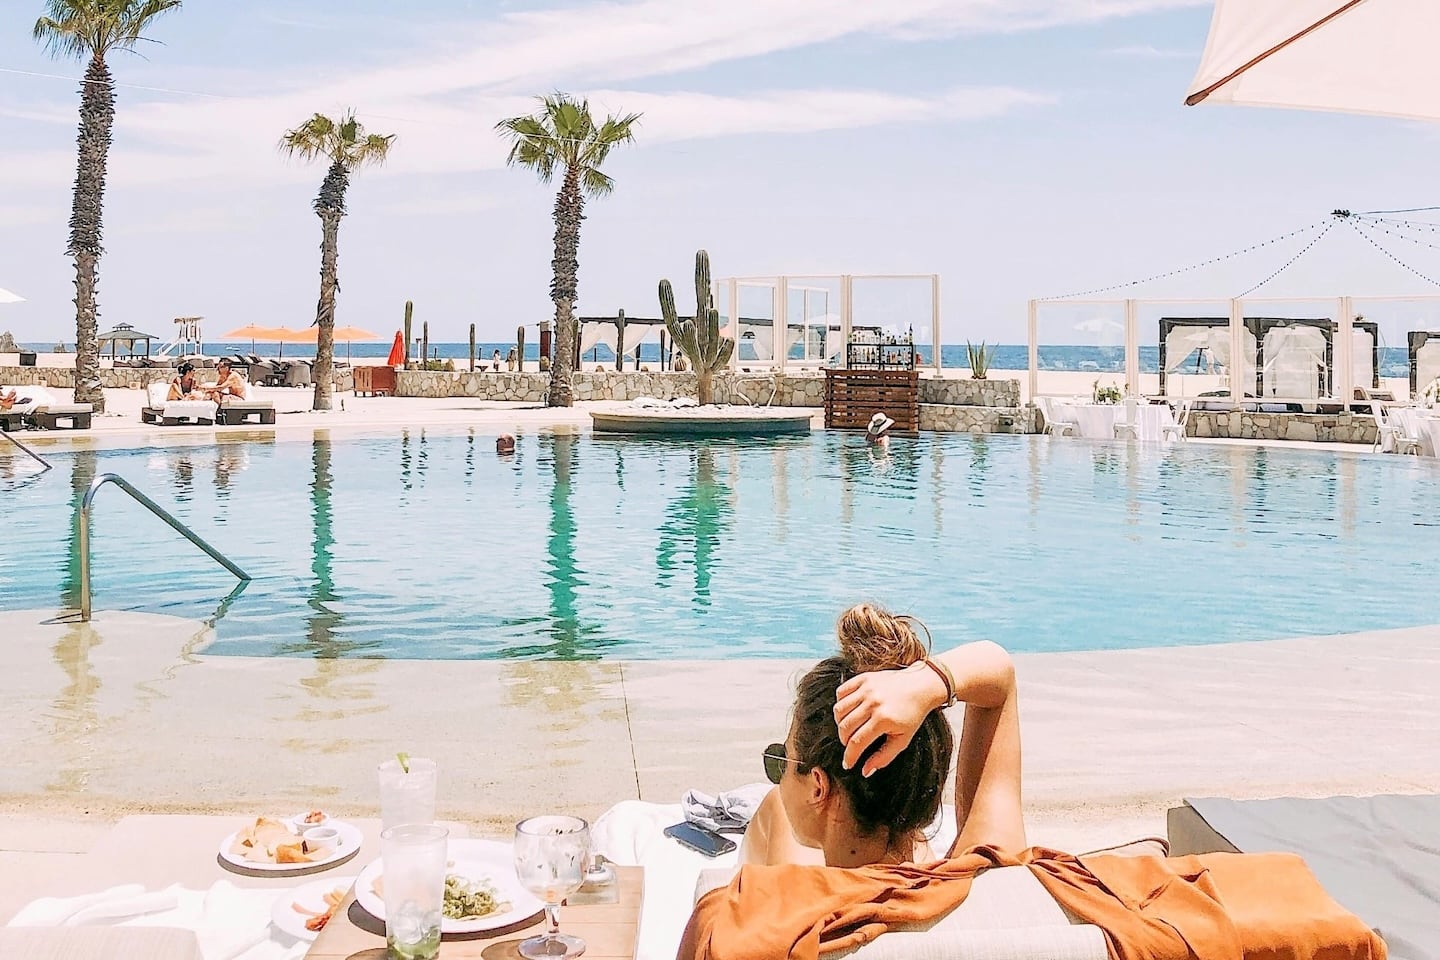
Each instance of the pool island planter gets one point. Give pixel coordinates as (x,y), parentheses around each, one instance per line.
(711,421)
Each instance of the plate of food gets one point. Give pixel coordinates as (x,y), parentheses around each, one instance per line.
(304,911)
(275,846)
(481,889)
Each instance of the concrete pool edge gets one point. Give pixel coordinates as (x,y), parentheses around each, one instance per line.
(126,714)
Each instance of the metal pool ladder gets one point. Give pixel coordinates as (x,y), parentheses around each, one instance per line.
(44,464)
(154,508)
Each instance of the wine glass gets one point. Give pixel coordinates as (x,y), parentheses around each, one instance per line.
(551,854)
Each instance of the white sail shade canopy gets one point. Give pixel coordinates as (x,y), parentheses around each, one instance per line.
(1354,56)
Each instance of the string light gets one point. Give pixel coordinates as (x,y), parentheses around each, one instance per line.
(1291,262)
(1193,266)
(1378,225)
(1361,230)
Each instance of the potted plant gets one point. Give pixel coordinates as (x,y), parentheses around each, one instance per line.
(979,359)
(1109,393)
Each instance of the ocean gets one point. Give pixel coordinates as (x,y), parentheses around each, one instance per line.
(1394,361)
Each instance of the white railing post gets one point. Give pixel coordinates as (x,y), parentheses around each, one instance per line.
(1032,334)
(936,343)
(1132,349)
(780,300)
(1343,380)
(1238,374)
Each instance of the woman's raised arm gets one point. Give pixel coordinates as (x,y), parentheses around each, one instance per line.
(893,703)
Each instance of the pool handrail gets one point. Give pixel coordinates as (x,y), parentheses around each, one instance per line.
(153,507)
(45,464)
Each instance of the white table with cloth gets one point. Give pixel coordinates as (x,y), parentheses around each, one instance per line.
(1422,424)
(1096,421)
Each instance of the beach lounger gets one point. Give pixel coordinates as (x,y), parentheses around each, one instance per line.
(73,416)
(10,421)
(1378,857)
(235,412)
(173,412)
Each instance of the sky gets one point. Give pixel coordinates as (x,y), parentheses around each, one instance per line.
(1018,148)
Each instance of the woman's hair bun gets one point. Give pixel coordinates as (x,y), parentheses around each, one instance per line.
(873,638)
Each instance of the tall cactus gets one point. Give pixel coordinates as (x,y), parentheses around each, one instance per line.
(699,337)
(409,315)
(520,347)
(425,345)
(472,348)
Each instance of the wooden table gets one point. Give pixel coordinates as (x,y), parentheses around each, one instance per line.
(610,930)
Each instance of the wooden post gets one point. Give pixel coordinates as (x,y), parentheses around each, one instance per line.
(520,347)
(620,340)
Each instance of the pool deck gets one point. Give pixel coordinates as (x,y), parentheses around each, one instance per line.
(124,715)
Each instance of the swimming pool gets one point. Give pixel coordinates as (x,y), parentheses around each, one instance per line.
(425,544)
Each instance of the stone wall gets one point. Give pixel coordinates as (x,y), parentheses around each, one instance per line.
(1327,428)
(961,418)
(613,385)
(788,391)
(121,378)
(970,393)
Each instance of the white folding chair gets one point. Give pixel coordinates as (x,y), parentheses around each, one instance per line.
(1175,429)
(1053,426)
(1129,428)
(1390,433)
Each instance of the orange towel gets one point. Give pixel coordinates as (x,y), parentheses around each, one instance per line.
(1216,907)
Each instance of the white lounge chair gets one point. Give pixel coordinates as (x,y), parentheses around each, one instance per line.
(172,412)
(1390,433)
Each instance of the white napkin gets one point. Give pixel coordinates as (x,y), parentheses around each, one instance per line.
(230,923)
(729,811)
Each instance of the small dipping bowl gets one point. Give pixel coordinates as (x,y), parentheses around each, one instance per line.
(324,836)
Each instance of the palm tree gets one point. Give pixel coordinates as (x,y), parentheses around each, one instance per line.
(348,147)
(80,29)
(563,135)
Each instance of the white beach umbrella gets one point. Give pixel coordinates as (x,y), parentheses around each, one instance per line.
(1354,56)
(7,297)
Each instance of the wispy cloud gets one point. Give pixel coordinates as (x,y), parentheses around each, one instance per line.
(443,99)
(1148,52)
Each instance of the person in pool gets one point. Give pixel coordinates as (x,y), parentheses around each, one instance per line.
(877,434)
(186,385)
(862,771)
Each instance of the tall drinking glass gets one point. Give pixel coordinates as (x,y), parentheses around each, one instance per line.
(413,871)
(407,797)
(550,858)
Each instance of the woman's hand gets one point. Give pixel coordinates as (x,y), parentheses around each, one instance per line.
(885,703)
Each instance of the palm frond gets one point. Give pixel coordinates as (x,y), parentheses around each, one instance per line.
(80,28)
(343,141)
(596,183)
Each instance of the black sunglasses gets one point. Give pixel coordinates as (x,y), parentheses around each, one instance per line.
(775,760)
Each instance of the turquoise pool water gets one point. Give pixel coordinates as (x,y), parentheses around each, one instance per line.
(425,544)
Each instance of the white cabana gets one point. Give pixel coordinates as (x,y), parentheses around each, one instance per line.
(1354,56)
(1295,365)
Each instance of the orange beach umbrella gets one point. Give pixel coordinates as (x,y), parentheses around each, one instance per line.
(311,334)
(254,332)
(397,351)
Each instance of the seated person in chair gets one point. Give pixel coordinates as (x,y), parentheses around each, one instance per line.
(862,771)
(8,400)
(186,385)
(229,385)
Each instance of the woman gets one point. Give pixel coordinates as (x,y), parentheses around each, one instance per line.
(862,772)
(186,385)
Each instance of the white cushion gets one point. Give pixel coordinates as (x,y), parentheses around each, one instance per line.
(156,394)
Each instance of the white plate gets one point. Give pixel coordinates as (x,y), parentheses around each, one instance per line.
(477,861)
(312,897)
(298,823)
(349,843)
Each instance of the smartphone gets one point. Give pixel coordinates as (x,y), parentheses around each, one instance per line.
(699,839)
